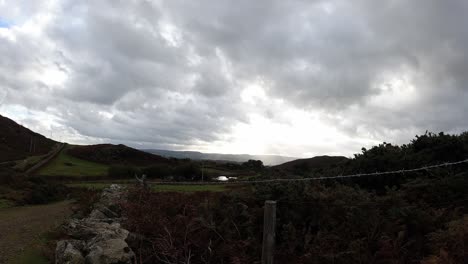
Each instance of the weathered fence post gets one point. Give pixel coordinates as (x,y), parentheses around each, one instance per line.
(142,181)
(269,223)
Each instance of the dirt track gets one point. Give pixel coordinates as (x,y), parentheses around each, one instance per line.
(21,227)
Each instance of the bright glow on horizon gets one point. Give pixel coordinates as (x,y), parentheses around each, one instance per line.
(300,130)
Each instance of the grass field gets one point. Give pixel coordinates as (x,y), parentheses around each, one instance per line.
(66,165)
(159,187)
(217,172)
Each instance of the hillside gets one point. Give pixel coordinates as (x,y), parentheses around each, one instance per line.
(69,166)
(115,154)
(269,160)
(319,162)
(18,142)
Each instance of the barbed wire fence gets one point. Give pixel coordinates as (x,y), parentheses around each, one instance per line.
(269,221)
(401,171)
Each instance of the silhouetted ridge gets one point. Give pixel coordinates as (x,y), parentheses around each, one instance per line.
(18,142)
(312,163)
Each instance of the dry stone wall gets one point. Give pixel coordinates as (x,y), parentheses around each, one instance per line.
(98,238)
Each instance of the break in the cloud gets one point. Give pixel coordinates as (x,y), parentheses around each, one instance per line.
(266,77)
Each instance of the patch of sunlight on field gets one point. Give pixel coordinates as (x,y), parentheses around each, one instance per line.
(66,165)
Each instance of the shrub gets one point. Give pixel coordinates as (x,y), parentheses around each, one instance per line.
(159,171)
(85,200)
(7,176)
(39,191)
(122,171)
(450,245)
(181,228)
(187,171)
(256,165)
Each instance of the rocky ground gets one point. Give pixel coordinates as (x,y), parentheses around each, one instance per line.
(22,227)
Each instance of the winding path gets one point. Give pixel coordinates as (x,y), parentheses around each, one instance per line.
(22,227)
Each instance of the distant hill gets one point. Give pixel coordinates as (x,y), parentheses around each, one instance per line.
(115,154)
(269,160)
(18,142)
(319,162)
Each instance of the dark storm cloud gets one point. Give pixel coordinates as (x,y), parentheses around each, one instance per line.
(172,72)
(343,50)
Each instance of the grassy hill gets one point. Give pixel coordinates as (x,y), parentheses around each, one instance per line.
(66,165)
(95,160)
(311,164)
(115,154)
(18,142)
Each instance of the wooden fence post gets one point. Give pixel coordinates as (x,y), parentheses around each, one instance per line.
(269,223)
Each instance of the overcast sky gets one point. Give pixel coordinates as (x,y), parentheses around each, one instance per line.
(297,78)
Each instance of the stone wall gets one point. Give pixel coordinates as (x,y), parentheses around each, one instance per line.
(98,238)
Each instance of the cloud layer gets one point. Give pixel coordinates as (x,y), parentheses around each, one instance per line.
(266,77)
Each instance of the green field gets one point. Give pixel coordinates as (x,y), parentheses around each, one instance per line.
(158,187)
(66,165)
(217,172)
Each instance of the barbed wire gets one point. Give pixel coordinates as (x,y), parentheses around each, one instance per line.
(425,168)
(363,204)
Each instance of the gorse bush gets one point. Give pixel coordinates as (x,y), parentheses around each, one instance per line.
(184,229)
(30,190)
